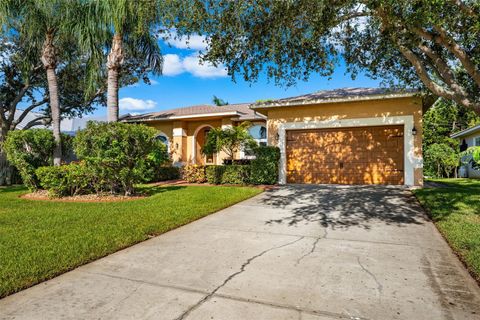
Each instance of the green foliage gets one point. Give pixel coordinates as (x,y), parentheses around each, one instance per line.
(194,173)
(229,140)
(68,180)
(264,168)
(165,173)
(121,154)
(442,158)
(471,156)
(27,150)
(231,174)
(406,43)
(219,102)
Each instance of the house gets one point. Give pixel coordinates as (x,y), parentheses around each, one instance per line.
(184,130)
(344,136)
(469,138)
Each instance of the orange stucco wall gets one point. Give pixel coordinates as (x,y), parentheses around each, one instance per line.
(350,110)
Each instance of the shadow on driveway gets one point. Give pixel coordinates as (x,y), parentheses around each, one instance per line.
(345,206)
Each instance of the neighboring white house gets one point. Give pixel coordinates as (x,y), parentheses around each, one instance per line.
(469,138)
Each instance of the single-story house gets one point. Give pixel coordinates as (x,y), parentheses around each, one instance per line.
(469,138)
(343,136)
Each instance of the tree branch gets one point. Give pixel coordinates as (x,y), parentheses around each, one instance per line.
(449,43)
(465,8)
(18,98)
(37,121)
(26,111)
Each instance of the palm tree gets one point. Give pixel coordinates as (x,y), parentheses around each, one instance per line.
(41,24)
(131,24)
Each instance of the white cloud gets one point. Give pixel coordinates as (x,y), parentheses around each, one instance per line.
(174,65)
(136,104)
(153,82)
(195,42)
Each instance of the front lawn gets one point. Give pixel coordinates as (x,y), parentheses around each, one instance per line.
(455,210)
(42,239)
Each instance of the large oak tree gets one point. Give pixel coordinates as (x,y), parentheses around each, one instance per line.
(434,44)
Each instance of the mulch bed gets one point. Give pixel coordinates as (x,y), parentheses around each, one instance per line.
(107,197)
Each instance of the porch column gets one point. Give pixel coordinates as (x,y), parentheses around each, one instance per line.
(179,154)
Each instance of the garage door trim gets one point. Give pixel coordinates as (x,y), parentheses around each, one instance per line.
(411,161)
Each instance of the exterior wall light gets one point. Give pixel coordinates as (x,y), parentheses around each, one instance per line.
(414,131)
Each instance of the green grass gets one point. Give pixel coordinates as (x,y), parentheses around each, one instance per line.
(42,239)
(455,210)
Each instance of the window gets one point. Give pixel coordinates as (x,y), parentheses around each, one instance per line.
(259,134)
(164,139)
(477,141)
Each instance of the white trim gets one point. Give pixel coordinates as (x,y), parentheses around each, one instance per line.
(411,161)
(466,132)
(179,132)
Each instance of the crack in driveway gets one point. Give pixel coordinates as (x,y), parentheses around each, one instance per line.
(230,277)
(314,247)
(374,277)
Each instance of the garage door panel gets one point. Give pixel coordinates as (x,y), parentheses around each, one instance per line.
(363,155)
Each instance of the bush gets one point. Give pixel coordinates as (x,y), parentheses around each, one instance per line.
(27,150)
(264,168)
(232,174)
(120,154)
(194,173)
(68,180)
(165,173)
(441,160)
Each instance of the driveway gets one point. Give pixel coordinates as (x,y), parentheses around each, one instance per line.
(297,252)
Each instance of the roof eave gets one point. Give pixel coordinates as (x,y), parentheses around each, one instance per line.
(465,132)
(191,116)
(300,102)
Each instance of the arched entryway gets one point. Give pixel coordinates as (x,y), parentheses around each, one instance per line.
(199,139)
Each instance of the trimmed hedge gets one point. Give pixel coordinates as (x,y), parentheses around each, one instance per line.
(194,173)
(264,168)
(232,174)
(166,173)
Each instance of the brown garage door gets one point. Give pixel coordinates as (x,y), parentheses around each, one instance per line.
(361,155)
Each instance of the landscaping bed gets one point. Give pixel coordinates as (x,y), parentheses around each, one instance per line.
(455,210)
(42,239)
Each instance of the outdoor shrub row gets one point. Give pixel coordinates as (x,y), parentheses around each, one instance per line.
(114,158)
(261,170)
(194,173)
(232,174)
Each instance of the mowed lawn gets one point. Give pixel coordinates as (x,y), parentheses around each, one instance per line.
(42,239)
(455,210)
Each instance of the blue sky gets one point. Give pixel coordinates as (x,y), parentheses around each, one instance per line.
(186,82)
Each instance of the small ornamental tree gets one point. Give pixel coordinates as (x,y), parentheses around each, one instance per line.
(443,158)
(229,140)
(121,154)
(471,155)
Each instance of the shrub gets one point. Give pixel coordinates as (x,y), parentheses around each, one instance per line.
(68,180)
(442,158)
(264,168)
(120,154)
(231,174)
(164,173)
(27,150)
(194,173)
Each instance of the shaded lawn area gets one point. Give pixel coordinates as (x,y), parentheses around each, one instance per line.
(42,239)
(455,209)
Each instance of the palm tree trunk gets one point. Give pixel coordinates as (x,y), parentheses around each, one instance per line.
(50,63)
(114,64)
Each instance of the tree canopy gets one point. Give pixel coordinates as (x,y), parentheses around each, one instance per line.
(434,45)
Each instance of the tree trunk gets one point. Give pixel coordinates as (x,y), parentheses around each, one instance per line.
(114,64)
(8,173)
(49,62)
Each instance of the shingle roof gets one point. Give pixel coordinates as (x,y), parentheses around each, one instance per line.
(240,111)
(337,95)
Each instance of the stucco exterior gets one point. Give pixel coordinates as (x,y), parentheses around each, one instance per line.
(326,115)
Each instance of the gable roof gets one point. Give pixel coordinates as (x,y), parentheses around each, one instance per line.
(466,132)
(337,95)
(240,111)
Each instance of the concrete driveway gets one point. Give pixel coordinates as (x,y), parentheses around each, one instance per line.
(298,252)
